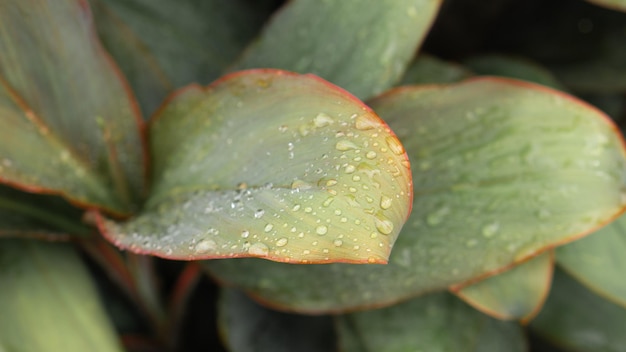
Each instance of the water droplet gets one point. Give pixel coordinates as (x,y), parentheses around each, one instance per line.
(436,217)
(322,119)
(491,229)
(383,225)
(395,145)
(385,202)
(366,122)
(268,227)
(328,201)
(205,246)
(350,168)
(259,249)
(281,242)
(245,233)
(321,230)
(356,178)
(344,144)
(331,182)
(259,213)
(371,154)
(282,128)
(338,243)
(301,185)
(296,207)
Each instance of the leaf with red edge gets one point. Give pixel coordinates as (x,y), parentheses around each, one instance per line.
(517,293)
(271,164)
(503,170)
(70,125)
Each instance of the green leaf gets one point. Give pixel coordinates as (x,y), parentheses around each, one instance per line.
(271,164)
(36,216)
(70,124)
(598,261)
(502,171)
(248,327)
(437,322)
(512,67)
(518,293)
(619,5)
(364,49)
(577,319)
(162,45)
(429,69)
(48,302)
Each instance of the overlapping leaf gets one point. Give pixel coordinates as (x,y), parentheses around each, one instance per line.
(69,124)
(502,171)
(577,319)
(248,327)
(48,302)
(599,261)
(364,49)
(429,69)
(162,45)
(437,322)
(271,164)
(517,293)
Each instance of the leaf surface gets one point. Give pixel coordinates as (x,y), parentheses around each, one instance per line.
(48,302)
(599,261)
(364,49)
(70,123)
(518,293)
(429,69)
(575,318)
(502,171)
(271,164)
(246,326)
(436,322)
(163,45)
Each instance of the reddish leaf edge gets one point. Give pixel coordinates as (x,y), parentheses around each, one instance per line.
(100,218)
(136,112)
(523,320)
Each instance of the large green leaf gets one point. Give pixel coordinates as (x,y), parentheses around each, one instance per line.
(433,323)
(161,45)
(517,293)
(248,327)
(271,164)
(502,171)
(579,320)
(599,261)
(48,302)
(611,4)
(70,125)
(364,49)
(30,215)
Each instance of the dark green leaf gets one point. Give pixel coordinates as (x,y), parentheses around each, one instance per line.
(517,293)
(162,45)
(436,322)
(362,48)
(48,302)
(249,327)
(70,125)
(579,320)
(502,171)
(427,69)
(271,164)
(599,261)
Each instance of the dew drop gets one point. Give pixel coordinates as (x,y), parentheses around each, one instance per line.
(395,145)
(268,227)
(321,230)
(301,185)
(282,128)
(338,243)
(322,119)
(205,246)
(281,242)
(259,213)
(259,249)
(343,145)
(331,182)
(385,202)
(350,169)
(383,225)
(245,233)
(328,201)
(491,229)
(366,122)
(296,207)
(371,154)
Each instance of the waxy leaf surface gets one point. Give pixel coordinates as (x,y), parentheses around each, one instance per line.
(512,67)
(599,261)
(502,170)
(48,302)
(517,293)
(437,322)
(246,326)
(163,45)
(70,125)
(364,49)
(271,164)
(578,320)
